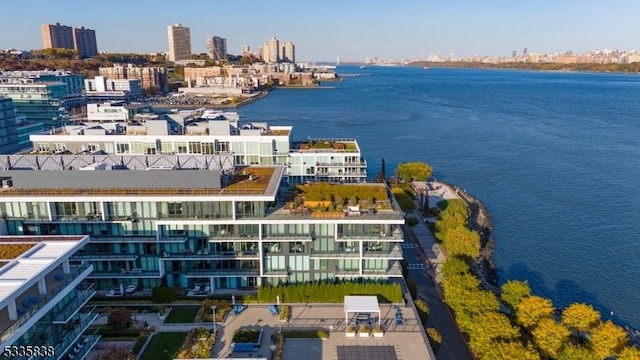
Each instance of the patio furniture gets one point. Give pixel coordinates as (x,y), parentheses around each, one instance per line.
(273,310)
(238,309)
(207,289)
(130,289)
(58,277)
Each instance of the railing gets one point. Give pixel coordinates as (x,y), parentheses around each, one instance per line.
(343,164)
(124,238)
(211,255)
(336,253)
(373,236)
(394,253)
(232,236)
(33,309)
(123,274)
(83,346)
(74,306)
(226,272)
(302,237)
(71,337)
(101,256)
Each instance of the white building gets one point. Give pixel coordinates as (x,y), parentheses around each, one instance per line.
(215,132)
(102,89)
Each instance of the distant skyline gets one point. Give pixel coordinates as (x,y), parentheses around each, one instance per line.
(353,30)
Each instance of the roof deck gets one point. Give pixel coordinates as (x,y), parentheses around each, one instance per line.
(347,145)
(251,180)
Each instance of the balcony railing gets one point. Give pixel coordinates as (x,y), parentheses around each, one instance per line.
(396,252)
(66,279)
(343,164)
(82,296)
(341,253)
(202,255)
(135,273)
(288,237)
(74,335)
(224,272)
(124,238)
(102,256)
(372,236)
(232,236)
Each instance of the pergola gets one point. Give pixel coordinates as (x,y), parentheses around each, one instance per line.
(360,304)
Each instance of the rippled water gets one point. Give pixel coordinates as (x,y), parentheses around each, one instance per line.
(554,156)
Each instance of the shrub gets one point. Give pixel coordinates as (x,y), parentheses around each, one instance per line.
(423,309)
(285,312)
(435,339)
(120,319)
(323,334)
(329,292)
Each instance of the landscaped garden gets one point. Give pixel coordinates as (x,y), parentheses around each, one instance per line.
(12,251)
(328,292)
(324,197)
(250,336)
(250,180)
(198,344)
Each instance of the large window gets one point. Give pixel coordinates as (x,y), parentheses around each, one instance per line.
(122,148)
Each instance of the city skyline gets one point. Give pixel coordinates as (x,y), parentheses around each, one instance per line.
(353,31)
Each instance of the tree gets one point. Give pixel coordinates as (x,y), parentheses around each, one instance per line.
(414,171)
(462,241)
(576,353)
(629,353)
(486,328)
(608,339)
(513,291)
(509,351)
(453,266)
(411,221)
(115,352)
(120,319)
(550,337)
(163,295)
(580,317)
(532,309)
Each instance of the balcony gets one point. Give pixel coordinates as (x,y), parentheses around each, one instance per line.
(82,297)
(339,272)
(133,273)
(124,238)
(72,337)
(83,346)
(338,253)
(362,164)
(288,237)
(233,237)
(276,273)
(377,236)
(205,255)
(223,272)
(395,253)
(394,270)
(61,282)
(103,256)
(92,217)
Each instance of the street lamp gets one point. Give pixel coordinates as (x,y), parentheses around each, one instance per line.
(213,310)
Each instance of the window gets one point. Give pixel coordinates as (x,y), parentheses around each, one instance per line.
(195,148)
(93,147)
(122,148)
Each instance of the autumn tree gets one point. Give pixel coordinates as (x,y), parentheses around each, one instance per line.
(414,171)
(454,266)
(120,319)
(513,291)
(580,317)
(629,353)
(510,350)
(550,336)
(486,328)
(532,309)
(577,353)
(608,339)
(462,241)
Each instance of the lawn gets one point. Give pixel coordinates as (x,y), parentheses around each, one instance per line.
(164,346)
(180,314)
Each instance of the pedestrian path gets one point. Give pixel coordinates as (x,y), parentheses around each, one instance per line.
(408,245)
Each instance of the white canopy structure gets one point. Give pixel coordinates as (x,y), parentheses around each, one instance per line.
(360,304)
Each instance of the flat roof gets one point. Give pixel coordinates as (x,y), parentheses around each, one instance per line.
(17,275)
(361,304)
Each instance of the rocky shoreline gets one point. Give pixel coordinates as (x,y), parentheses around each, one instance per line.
(480,221)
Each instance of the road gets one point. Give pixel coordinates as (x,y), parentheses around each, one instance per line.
(453,345)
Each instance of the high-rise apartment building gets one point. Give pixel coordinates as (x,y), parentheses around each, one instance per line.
(65,37)
(85,43)
(245,50)
(8,126)
(57,36)
(217,47)
(179,42)
(40,102)
(289,52)
(271,51)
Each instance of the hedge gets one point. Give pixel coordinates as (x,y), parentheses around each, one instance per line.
(327,292)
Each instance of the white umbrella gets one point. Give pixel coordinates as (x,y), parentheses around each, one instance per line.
(233,300)
(278,299)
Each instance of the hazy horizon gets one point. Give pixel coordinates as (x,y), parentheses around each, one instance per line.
(324,30)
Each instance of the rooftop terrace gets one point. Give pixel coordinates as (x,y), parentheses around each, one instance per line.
(326,145)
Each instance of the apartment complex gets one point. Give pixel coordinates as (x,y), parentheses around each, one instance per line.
(273,51)
(217,48)
(65,37)
(215,132)
(179,42)
(199,224)
(43,297)
(150,77)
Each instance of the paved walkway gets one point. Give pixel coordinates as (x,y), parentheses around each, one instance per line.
(426,250)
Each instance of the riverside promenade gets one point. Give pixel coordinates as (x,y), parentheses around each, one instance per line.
(424,255)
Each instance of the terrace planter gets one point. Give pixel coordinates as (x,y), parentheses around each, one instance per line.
(363,334)
(378,334)
(350,334)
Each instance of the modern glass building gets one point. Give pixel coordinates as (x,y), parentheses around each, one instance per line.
(208,230)
(43,297)
(39,102)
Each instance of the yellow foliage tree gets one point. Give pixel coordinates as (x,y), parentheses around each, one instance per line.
(608,339)
(550,337)
(532,309)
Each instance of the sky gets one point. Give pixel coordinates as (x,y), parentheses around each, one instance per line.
(353,30)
